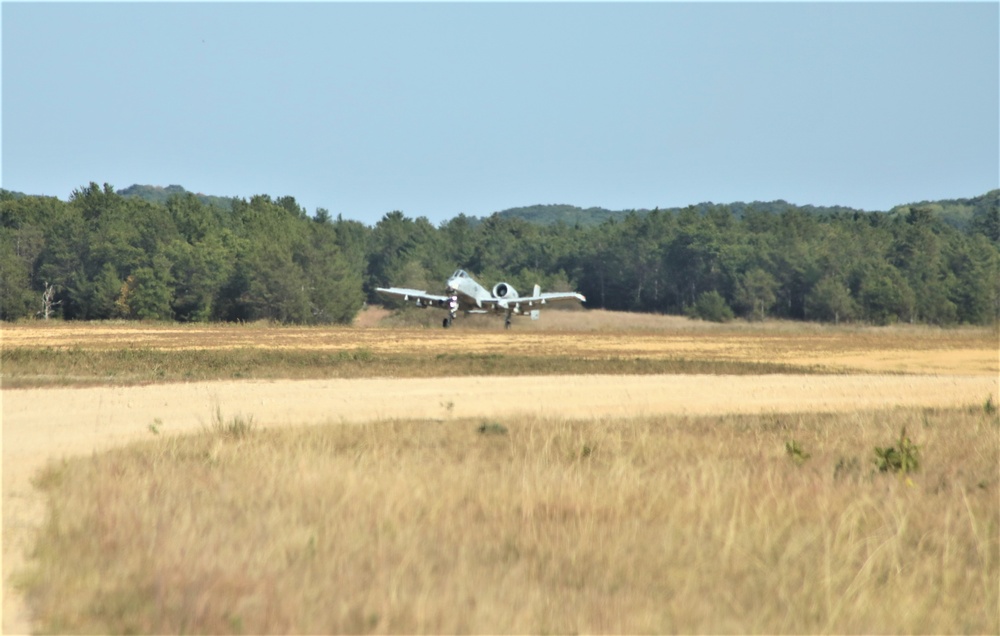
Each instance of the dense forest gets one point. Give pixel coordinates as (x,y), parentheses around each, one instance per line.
(168,254)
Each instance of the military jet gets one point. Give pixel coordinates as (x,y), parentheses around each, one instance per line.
(465,294)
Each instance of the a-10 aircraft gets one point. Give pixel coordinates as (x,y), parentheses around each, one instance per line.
(464,293)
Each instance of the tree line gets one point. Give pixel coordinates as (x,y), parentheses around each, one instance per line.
(103,255)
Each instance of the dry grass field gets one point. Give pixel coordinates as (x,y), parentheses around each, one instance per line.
(661,485)
(562,341)
(529,526)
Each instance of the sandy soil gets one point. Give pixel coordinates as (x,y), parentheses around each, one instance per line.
(40,425)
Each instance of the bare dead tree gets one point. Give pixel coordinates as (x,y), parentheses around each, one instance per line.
(48,300)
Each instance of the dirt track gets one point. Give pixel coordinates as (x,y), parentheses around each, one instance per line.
(41,424)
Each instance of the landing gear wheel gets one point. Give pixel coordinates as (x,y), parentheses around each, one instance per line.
(506,323)
(446,322)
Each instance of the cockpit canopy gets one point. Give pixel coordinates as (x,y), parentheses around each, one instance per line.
(459,273)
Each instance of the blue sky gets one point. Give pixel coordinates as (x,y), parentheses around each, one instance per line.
(437,109)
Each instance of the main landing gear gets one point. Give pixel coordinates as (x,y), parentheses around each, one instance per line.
(452,311)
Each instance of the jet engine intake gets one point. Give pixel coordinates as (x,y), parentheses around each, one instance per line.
(503,290)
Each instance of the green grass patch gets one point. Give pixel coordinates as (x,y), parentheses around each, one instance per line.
(50,366)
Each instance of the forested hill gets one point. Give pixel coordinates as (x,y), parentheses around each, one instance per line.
(158,194)
(567,214)
(538,214)
(959,213)
(586,217)
(110,253)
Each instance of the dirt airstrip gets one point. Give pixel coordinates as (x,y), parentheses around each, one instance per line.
(869,368)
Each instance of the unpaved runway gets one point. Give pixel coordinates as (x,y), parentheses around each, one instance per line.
(44,424)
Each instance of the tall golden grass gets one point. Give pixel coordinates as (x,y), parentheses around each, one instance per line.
(530,526)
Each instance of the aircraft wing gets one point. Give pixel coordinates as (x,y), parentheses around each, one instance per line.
(536,299)
(414,294)
(558,296)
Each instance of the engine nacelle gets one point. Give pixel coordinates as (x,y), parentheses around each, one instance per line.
(503,290)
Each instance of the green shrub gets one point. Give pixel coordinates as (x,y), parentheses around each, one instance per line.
(492,428)
(711,306)
(903,458)
(796,453)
